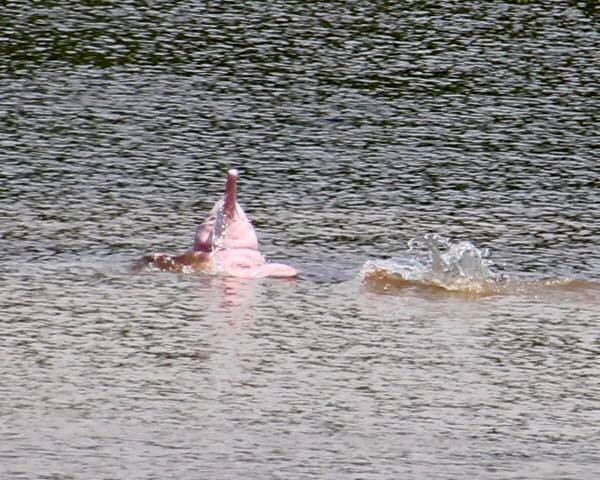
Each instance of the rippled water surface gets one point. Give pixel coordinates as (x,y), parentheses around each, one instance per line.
(360,130)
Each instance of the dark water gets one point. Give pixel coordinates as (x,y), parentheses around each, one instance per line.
(356,126)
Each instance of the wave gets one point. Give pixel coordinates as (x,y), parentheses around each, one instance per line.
(435,264)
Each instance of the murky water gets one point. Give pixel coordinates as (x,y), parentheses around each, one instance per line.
(357,127)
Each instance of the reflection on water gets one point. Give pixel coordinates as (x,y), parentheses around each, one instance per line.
(355,127)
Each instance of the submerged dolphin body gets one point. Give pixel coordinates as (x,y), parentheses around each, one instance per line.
(225,243)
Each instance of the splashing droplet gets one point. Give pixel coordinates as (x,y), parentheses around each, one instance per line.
(436,261)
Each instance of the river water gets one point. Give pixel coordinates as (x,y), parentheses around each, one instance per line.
(430,169)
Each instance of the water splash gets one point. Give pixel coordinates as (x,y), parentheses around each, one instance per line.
(433,260)
(220,226)
(219,233)
(434,264)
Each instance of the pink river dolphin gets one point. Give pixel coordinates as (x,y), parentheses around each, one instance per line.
(225,243)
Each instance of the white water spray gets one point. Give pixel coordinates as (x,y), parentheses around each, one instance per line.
(434,260)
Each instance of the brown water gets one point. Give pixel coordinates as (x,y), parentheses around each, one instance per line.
(356,128)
